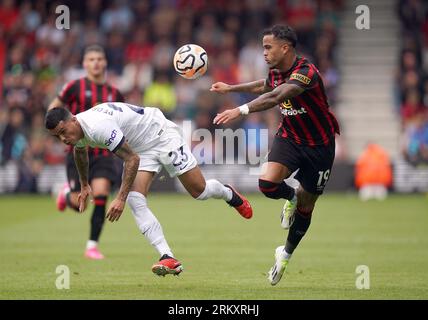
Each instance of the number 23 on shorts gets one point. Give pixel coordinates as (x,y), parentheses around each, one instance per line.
(176,161)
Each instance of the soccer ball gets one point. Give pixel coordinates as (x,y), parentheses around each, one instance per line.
(191,61)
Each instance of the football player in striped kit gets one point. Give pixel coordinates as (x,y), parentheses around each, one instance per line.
(77,96)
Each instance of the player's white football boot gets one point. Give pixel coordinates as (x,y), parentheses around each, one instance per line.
(276,272)
(288,213)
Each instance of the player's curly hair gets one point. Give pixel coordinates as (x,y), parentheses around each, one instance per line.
(54,116)
(282,32)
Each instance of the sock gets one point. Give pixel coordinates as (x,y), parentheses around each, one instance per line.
(236,200)
(91,244)
(285,255)
(98,217)
(276,190)
(214,189)
(298,229)
(69,203)
(147,223)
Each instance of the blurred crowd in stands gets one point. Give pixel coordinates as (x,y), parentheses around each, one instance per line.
(140,38)
(412,80)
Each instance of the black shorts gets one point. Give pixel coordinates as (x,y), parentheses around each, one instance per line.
(99,167)
(314,163)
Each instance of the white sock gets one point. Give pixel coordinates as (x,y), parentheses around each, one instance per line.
(147,223)
(286,255)
(91,244)
(214,189)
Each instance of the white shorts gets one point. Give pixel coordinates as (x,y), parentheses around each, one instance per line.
(171,152)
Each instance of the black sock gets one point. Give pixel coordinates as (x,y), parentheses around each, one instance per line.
(236,200)
(69,203)
(297,230)
(98,217)
(276,190)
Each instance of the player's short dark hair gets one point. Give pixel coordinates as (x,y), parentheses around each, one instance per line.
(282,32)
(55,115)
(94,48)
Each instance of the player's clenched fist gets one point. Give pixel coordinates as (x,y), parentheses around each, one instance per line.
(220,87)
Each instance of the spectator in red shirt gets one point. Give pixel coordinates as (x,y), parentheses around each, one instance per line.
(8,14)
(411,106)
(140,50)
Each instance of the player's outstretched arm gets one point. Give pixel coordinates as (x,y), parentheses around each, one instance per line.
(264,102)
(275,97)
(56,103)
(256,87)
(82,165)
(130,169)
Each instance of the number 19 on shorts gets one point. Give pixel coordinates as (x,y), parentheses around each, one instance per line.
(323,178)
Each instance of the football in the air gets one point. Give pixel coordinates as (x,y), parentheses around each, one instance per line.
(191,61)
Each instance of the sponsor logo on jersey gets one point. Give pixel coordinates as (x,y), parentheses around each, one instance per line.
(293,112)
(300,77)
(286,104)
(288,110)
(111,139)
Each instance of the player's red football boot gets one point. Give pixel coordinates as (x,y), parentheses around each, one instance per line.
(167,265)
(244,208)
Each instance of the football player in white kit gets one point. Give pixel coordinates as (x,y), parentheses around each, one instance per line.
(145,140)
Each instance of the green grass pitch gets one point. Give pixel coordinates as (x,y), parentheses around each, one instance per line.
(224,256)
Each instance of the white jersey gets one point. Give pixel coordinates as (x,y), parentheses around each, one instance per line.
(108,125)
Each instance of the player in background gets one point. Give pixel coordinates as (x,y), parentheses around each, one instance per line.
(78,96)
(146,141)
(305,139)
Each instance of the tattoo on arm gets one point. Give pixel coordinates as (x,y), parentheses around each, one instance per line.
(275,97)
(130,169)
(257,87)
(82,164)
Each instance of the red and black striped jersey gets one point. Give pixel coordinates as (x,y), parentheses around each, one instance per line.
(82,94)
(306,117)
